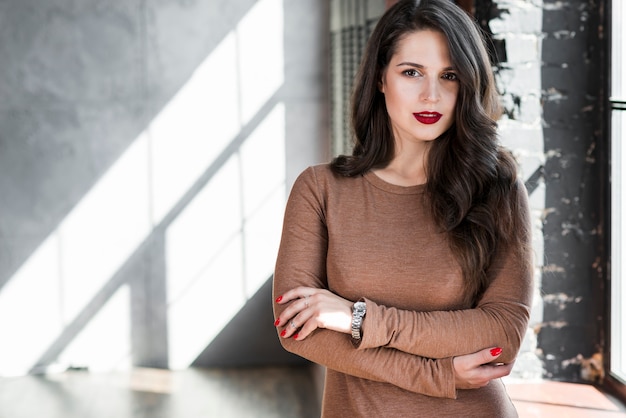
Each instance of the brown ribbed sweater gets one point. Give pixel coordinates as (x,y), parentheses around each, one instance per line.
(364,238)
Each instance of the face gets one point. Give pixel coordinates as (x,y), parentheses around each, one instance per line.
(420,87)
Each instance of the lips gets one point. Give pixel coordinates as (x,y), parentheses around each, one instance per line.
(427,118)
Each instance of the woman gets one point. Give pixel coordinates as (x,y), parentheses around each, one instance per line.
(406,268)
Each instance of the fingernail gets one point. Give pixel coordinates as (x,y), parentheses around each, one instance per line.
(295,336)
(496,351)
(277,322)
(283,333)
(278,299)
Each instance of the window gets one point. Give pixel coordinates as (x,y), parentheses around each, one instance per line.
(617,352)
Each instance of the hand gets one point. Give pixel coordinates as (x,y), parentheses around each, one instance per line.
(473,371)
(313,308)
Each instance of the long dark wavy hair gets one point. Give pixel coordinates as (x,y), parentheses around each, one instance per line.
(470,177)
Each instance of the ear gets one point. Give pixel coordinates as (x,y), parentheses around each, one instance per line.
(381,81)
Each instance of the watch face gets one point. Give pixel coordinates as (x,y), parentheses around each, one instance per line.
(359,307)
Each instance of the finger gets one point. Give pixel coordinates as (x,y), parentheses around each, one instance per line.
(296,293)
(488,355)
(497,371)
(307,329)
(478,369)
(294,317)
(477,359)
(289,329)
(296,324)
(487,373)
(291,311)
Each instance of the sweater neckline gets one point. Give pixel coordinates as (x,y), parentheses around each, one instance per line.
(379,183)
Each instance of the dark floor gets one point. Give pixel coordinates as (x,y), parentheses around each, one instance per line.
(150,393)
(263,392)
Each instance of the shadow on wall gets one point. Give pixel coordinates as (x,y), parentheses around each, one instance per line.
(242,343)
(177,235)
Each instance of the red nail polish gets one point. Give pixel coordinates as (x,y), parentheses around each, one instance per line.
(277,322)
(283,333)
(278,299)
(295,336)
(496,351)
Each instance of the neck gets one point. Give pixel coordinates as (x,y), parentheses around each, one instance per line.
(407,168)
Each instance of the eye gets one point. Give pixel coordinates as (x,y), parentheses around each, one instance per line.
(450,76)
(411,73)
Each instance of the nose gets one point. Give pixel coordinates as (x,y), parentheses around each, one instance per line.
(431,90)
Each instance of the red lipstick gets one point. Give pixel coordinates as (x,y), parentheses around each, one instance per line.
(427,117)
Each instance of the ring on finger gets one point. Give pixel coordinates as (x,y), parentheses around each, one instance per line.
(293,325)
(306,301)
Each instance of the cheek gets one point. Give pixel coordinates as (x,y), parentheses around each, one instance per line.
(400,96)
(452,93)
(451,99)
(391,100)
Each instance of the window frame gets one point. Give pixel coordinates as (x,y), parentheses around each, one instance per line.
(616,237)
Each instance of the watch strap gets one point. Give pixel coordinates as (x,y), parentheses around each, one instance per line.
(358,312)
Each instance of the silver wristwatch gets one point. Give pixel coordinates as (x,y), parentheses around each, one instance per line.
(358,312)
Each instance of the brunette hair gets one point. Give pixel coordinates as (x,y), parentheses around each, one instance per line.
(470,177)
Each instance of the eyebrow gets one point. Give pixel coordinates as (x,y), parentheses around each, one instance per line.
(412,64)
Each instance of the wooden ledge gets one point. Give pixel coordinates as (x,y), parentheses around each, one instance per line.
(560,399)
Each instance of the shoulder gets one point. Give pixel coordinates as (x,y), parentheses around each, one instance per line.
(313,189)
(315,171)
(322,171)
(321,176)
(321,183)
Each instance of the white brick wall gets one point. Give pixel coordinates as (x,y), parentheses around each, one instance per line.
(519,81)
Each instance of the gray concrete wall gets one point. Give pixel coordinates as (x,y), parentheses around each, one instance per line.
(87,88)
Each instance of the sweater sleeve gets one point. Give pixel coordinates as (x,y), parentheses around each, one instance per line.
(499,319)
(302,262)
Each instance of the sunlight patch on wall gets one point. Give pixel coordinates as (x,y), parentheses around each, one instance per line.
(208,280)
(200,312)
(261,55)
(30,310)
(263,197)
(220,248)
(75,262)
(201,232)
(105,343)
(104,229)
(194,127)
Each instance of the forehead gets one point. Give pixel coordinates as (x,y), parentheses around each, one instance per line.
(423,47)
